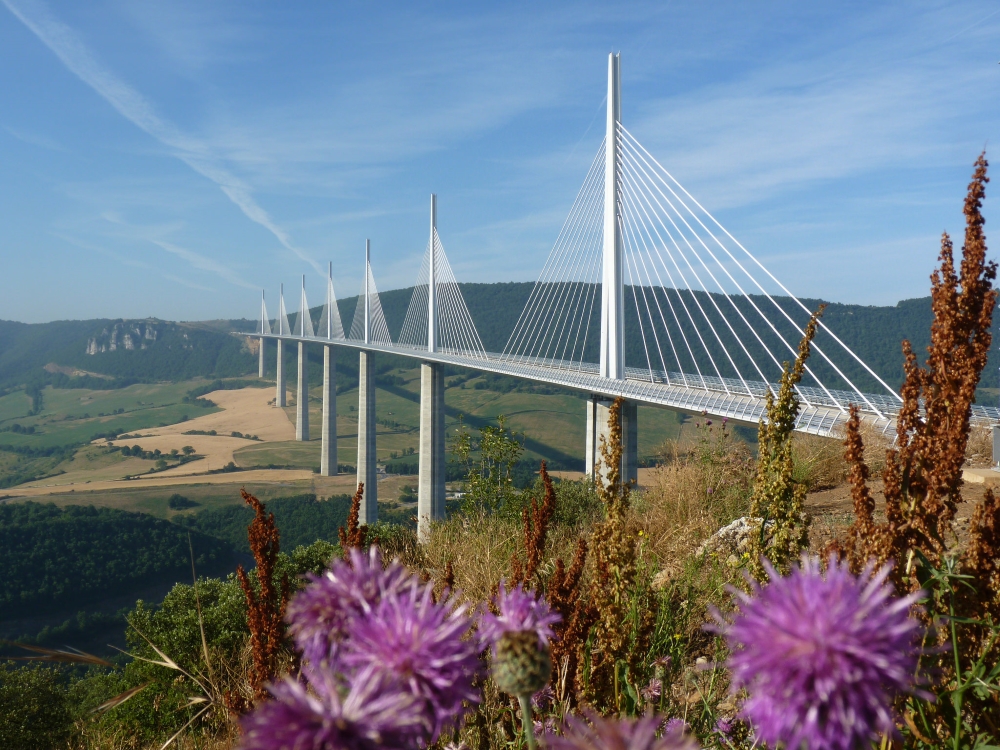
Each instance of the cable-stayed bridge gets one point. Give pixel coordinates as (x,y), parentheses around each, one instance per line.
(709,326)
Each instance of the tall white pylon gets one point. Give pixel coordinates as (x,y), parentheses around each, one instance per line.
(330,325)
(368,303)
(612,292)
(305,318)
(265,324)
(283,328)
(432,316)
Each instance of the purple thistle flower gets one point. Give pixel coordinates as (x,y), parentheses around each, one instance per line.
(417,645)
(368,718)
(653,690)
(520,610)
(823,656)
(662,663)
(320,614)
(544,727)
(724,727)
(543,699)
(624,734)
(675,725)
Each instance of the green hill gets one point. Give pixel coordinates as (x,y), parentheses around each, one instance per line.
(108,353)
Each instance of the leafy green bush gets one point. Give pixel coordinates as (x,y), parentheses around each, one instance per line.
(34,707)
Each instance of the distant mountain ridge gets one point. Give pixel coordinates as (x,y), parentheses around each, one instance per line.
(151,349)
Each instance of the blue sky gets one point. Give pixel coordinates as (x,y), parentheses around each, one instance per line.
(170,159)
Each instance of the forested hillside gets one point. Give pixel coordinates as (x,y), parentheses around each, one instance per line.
(54,558)
(79,352)
(302,519)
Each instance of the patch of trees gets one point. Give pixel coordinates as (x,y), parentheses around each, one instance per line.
(177,501)
(302,519)
(54,558)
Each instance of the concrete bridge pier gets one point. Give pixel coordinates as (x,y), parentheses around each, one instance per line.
(261,364)
(328,446)
(598,409)
(430,490)
(367,472)
(279,396)
(302,397)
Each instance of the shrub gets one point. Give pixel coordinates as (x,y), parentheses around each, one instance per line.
(34,707)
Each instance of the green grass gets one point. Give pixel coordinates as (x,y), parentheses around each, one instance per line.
(14,406)
(554,424)
(70,416)
(153,500)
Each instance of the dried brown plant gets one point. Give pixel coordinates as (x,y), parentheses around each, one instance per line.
(779,529)
(563,589)
(923,474)
(979,449)
(354,536)
(622,630)
(265,604)
(536,520)
(922,481)
(565,593)
(981,561)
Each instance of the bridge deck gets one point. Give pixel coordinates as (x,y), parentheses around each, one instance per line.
(822,413)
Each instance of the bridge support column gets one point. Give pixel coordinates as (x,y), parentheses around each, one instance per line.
(328,447)
(279,395)
(367,471)
(302,397)
(598,427)
(431,491)
(261,364)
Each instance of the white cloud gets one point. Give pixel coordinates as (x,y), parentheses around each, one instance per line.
(71,51)
(155,235)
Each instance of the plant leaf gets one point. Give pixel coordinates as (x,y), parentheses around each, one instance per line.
(121,698)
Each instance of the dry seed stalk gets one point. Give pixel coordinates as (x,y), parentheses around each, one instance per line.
(354,536)
(779,529)
(923,475)
(536,519)
(266,609)
(624,613)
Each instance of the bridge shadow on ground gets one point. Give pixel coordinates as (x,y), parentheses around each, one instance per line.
(553,455)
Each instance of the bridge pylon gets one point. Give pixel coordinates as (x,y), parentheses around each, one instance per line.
(612,352)
(280,399)
(265,328)
(431,482)
(367,457)
(328,429)
(302,392)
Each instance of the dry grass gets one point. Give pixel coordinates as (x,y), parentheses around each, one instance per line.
(979,449)
(480,549)
(691,495)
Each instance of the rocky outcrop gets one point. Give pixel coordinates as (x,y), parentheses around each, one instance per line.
(125,334)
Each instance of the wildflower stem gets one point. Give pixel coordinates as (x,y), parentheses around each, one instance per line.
(959,688)
(529,730)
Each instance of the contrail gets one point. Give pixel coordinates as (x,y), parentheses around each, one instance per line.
(133,106)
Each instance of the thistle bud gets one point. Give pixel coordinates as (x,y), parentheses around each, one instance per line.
(521,663)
